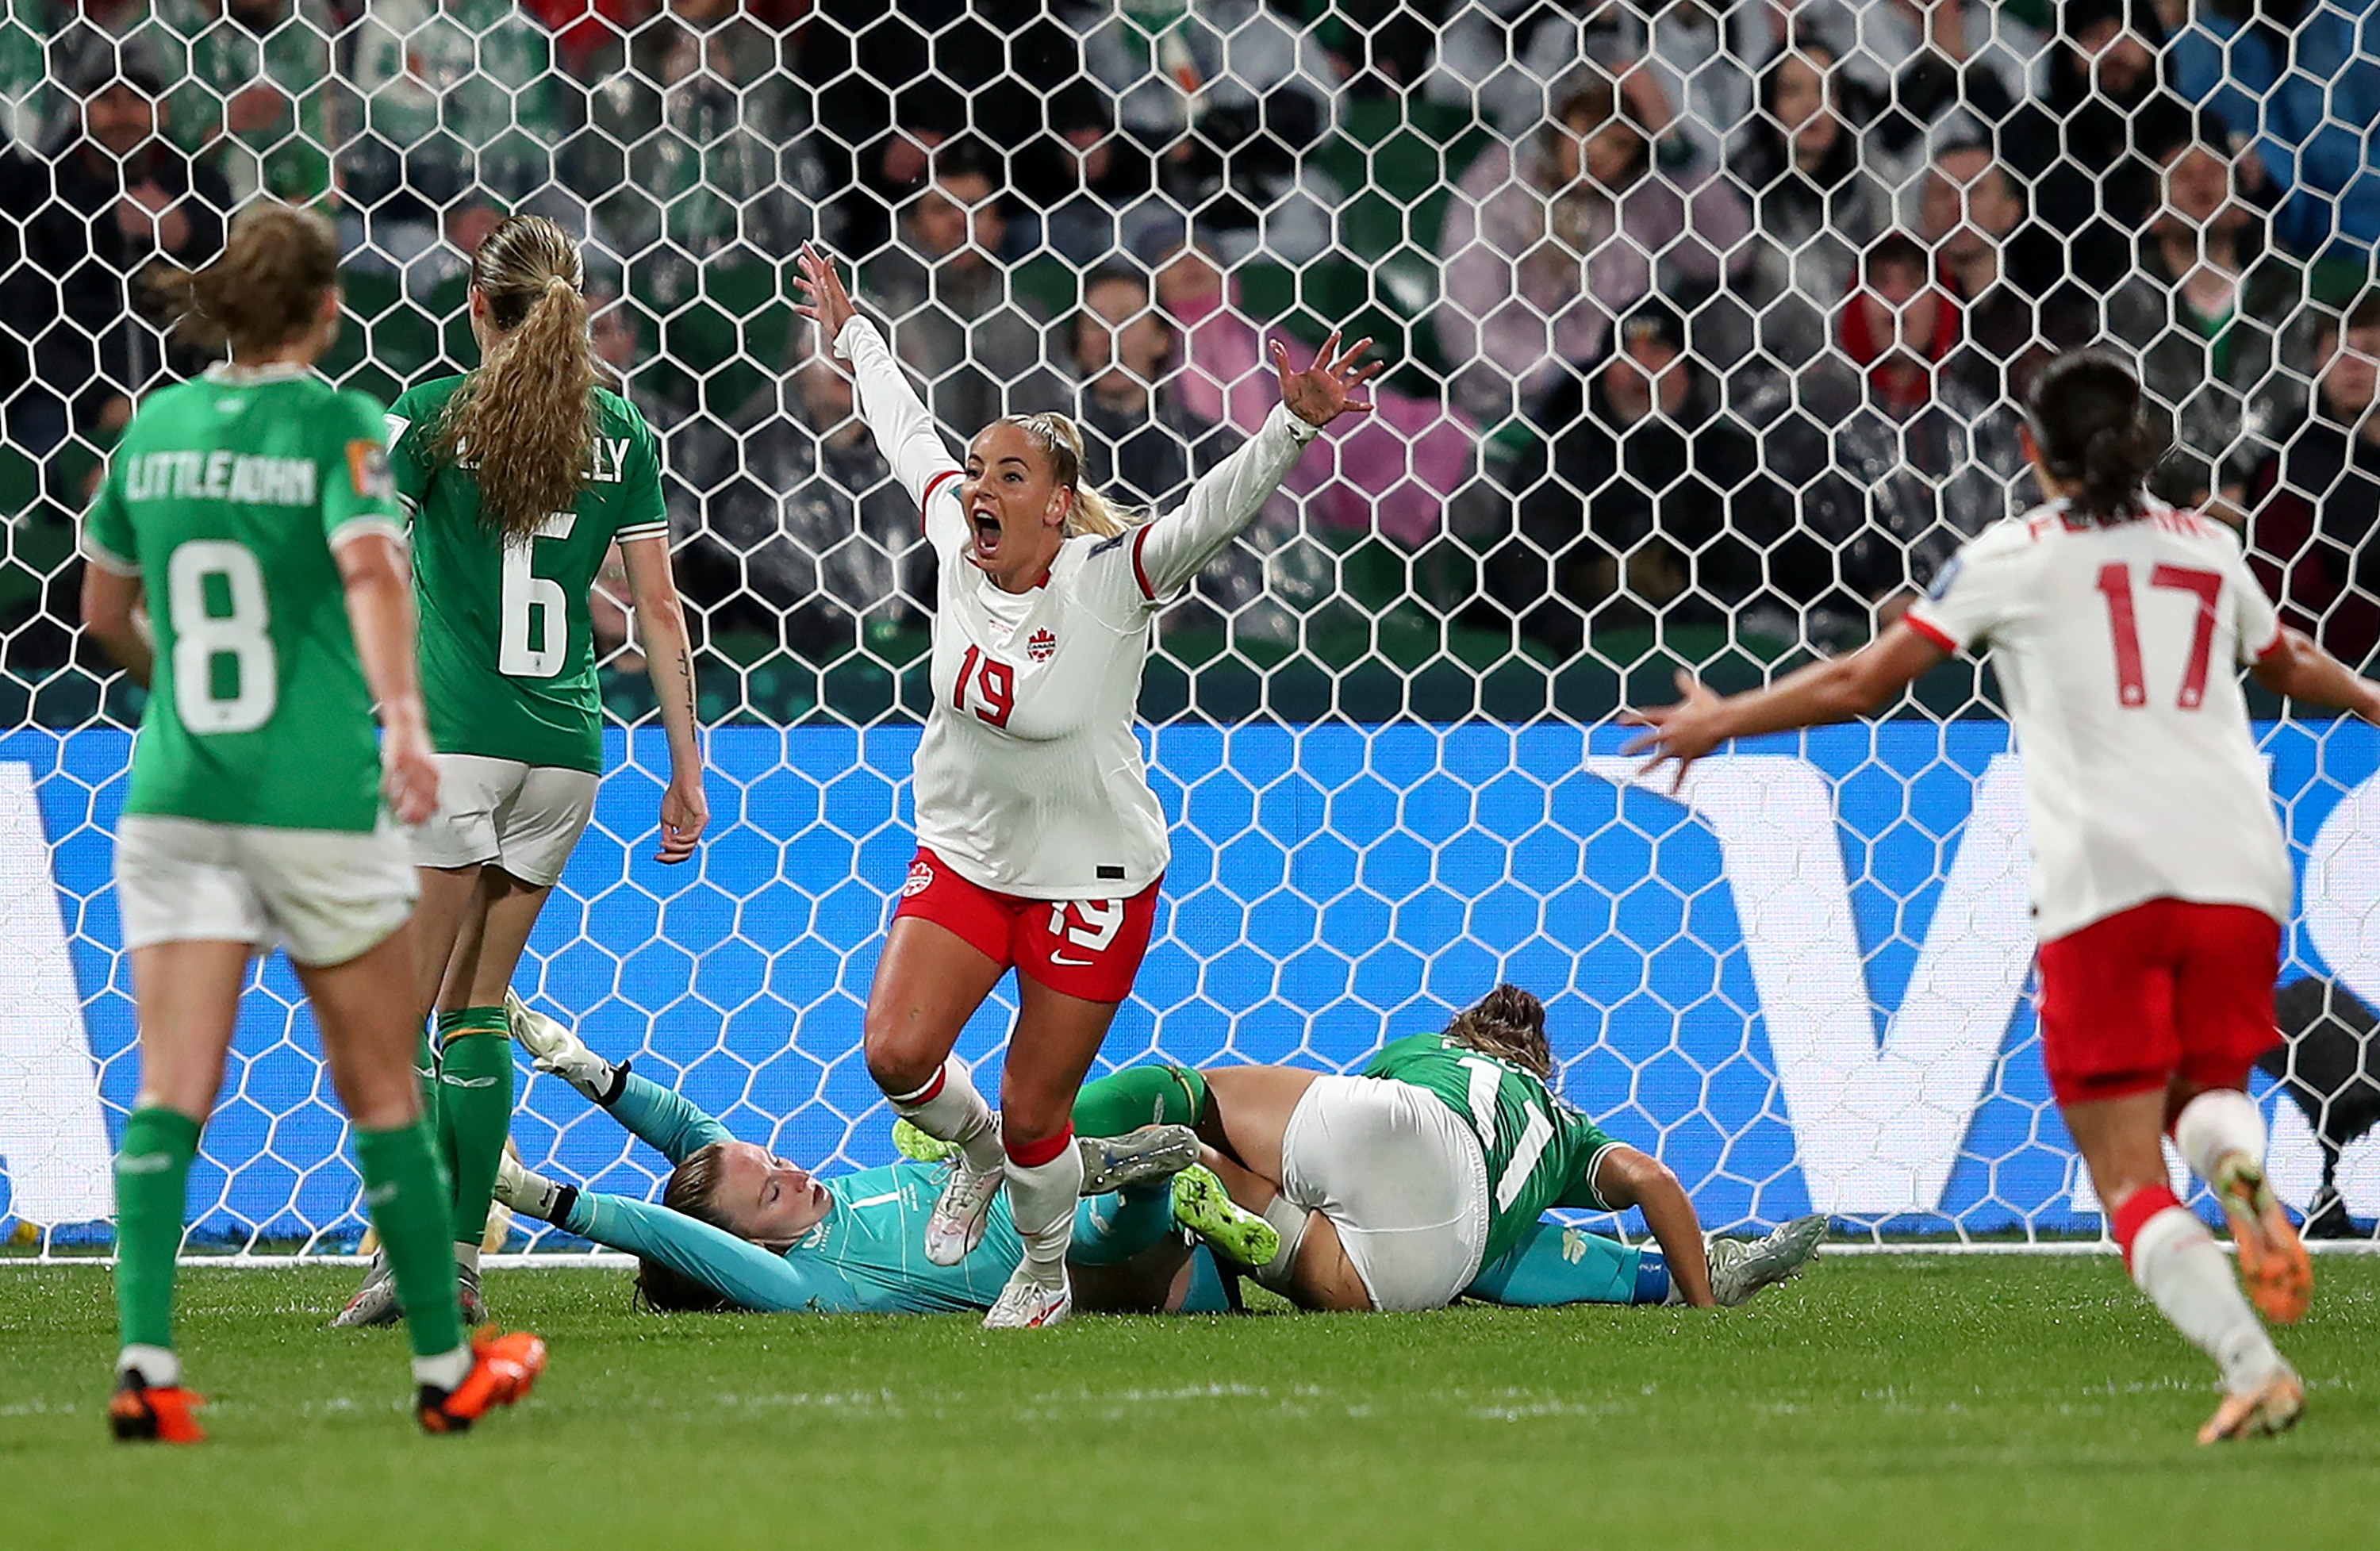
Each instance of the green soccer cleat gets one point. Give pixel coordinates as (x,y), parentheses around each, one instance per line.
(918,1147)
(1203,1207)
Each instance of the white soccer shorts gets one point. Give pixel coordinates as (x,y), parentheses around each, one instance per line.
(1402,1179)
(327,895)
(524,819)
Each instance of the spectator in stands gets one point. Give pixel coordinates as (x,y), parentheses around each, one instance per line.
(696,138)
(454,93)
(1222,100)
(2073,148)
(121,196)
(2016,314)
(1392,472)
(1547,243)
(2315,537)
(2297,82)
(1142,444)
(268,63)
(1895,460)
(1815,205)
(1655,507)
(805,535)
(953,321)
(1942,56)
(2205,316)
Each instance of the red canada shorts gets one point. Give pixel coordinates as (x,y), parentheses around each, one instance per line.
(2164,988)
(1089,948)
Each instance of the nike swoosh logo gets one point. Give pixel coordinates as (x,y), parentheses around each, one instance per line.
(1071,963)
(467,1082)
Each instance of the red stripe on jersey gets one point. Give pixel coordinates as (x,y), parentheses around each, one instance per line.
(1140,571)
(1931,631)
(933,489)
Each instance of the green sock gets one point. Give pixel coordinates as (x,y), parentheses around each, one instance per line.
(1140,1096)
(475,1108)
(425,1072)
(152,1181)
(407,1193)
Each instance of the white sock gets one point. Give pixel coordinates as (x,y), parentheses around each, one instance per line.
(160,1369)
(1288,1220)
(2176,1263)
(1041,1197)
(949,1110)
(2216,1124)
(445,1371)
(466,1257)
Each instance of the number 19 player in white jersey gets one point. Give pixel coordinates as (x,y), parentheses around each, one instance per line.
(1040,846)
(2160,878)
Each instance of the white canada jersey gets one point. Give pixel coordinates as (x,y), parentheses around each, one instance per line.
(2117,648)
(1028,779)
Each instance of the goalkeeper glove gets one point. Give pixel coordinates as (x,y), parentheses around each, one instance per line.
(556,1049)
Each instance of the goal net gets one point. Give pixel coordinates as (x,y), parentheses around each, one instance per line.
(1708,322)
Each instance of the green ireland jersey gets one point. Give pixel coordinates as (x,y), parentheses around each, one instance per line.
(508,650)
(1540,1152)
(226,497)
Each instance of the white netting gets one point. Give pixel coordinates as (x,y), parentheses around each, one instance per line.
(1706,320)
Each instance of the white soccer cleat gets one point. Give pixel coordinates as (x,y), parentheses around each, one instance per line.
(1153,1152)
(1027,1303)
(374,1304)
(1741,1267)
(960,1212)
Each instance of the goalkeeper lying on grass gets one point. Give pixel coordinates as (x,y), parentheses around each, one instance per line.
(739,1228)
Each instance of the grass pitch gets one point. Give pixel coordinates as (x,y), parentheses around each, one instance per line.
(1900,1401)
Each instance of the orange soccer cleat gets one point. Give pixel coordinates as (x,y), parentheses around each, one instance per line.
(143,1413)
(503,1367)
(2272,1261)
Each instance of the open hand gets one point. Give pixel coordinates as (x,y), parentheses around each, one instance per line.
(1322,392)
(828,304)
(1684,732)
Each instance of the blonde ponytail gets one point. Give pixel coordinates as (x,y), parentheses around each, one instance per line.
(1061,440)
(527,415)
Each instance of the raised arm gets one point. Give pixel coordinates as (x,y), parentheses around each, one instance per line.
(904,429)
(671,1122)
(1177,545)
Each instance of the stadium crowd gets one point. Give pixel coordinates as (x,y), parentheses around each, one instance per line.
(1712,315)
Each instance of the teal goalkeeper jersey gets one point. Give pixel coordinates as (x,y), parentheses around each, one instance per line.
(226,498)
(867,1256)
(1540,1152)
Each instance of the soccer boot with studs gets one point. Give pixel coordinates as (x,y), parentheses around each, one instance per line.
(503,1368)
(1028,1304)
(2272,1261)
(2272,1407)
(1741,1267)
(1201,1205)
(142,1412)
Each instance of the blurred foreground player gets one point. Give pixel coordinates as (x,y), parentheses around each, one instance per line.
(2160,878)
(251,511)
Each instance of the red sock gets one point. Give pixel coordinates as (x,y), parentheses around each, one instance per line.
(2134,1214)
(1033,1155)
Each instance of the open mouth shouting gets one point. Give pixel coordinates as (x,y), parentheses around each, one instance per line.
(984,549)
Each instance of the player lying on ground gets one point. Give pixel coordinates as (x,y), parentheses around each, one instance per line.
(1423,1178)
(1039,843)
(519,477)
(1126,1255)
(251,511)
(739,1227)
(2160,879)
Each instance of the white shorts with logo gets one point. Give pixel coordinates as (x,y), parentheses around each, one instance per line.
(328,895)
(524,819)
(1401,1178)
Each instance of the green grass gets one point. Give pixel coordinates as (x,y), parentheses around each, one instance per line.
(1906,1402)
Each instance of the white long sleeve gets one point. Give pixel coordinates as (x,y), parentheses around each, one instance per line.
(1176,546)
(895,415)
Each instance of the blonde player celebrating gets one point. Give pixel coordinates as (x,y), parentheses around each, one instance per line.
(2160,878)
(253,511)
(1040,846)
(519,477)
